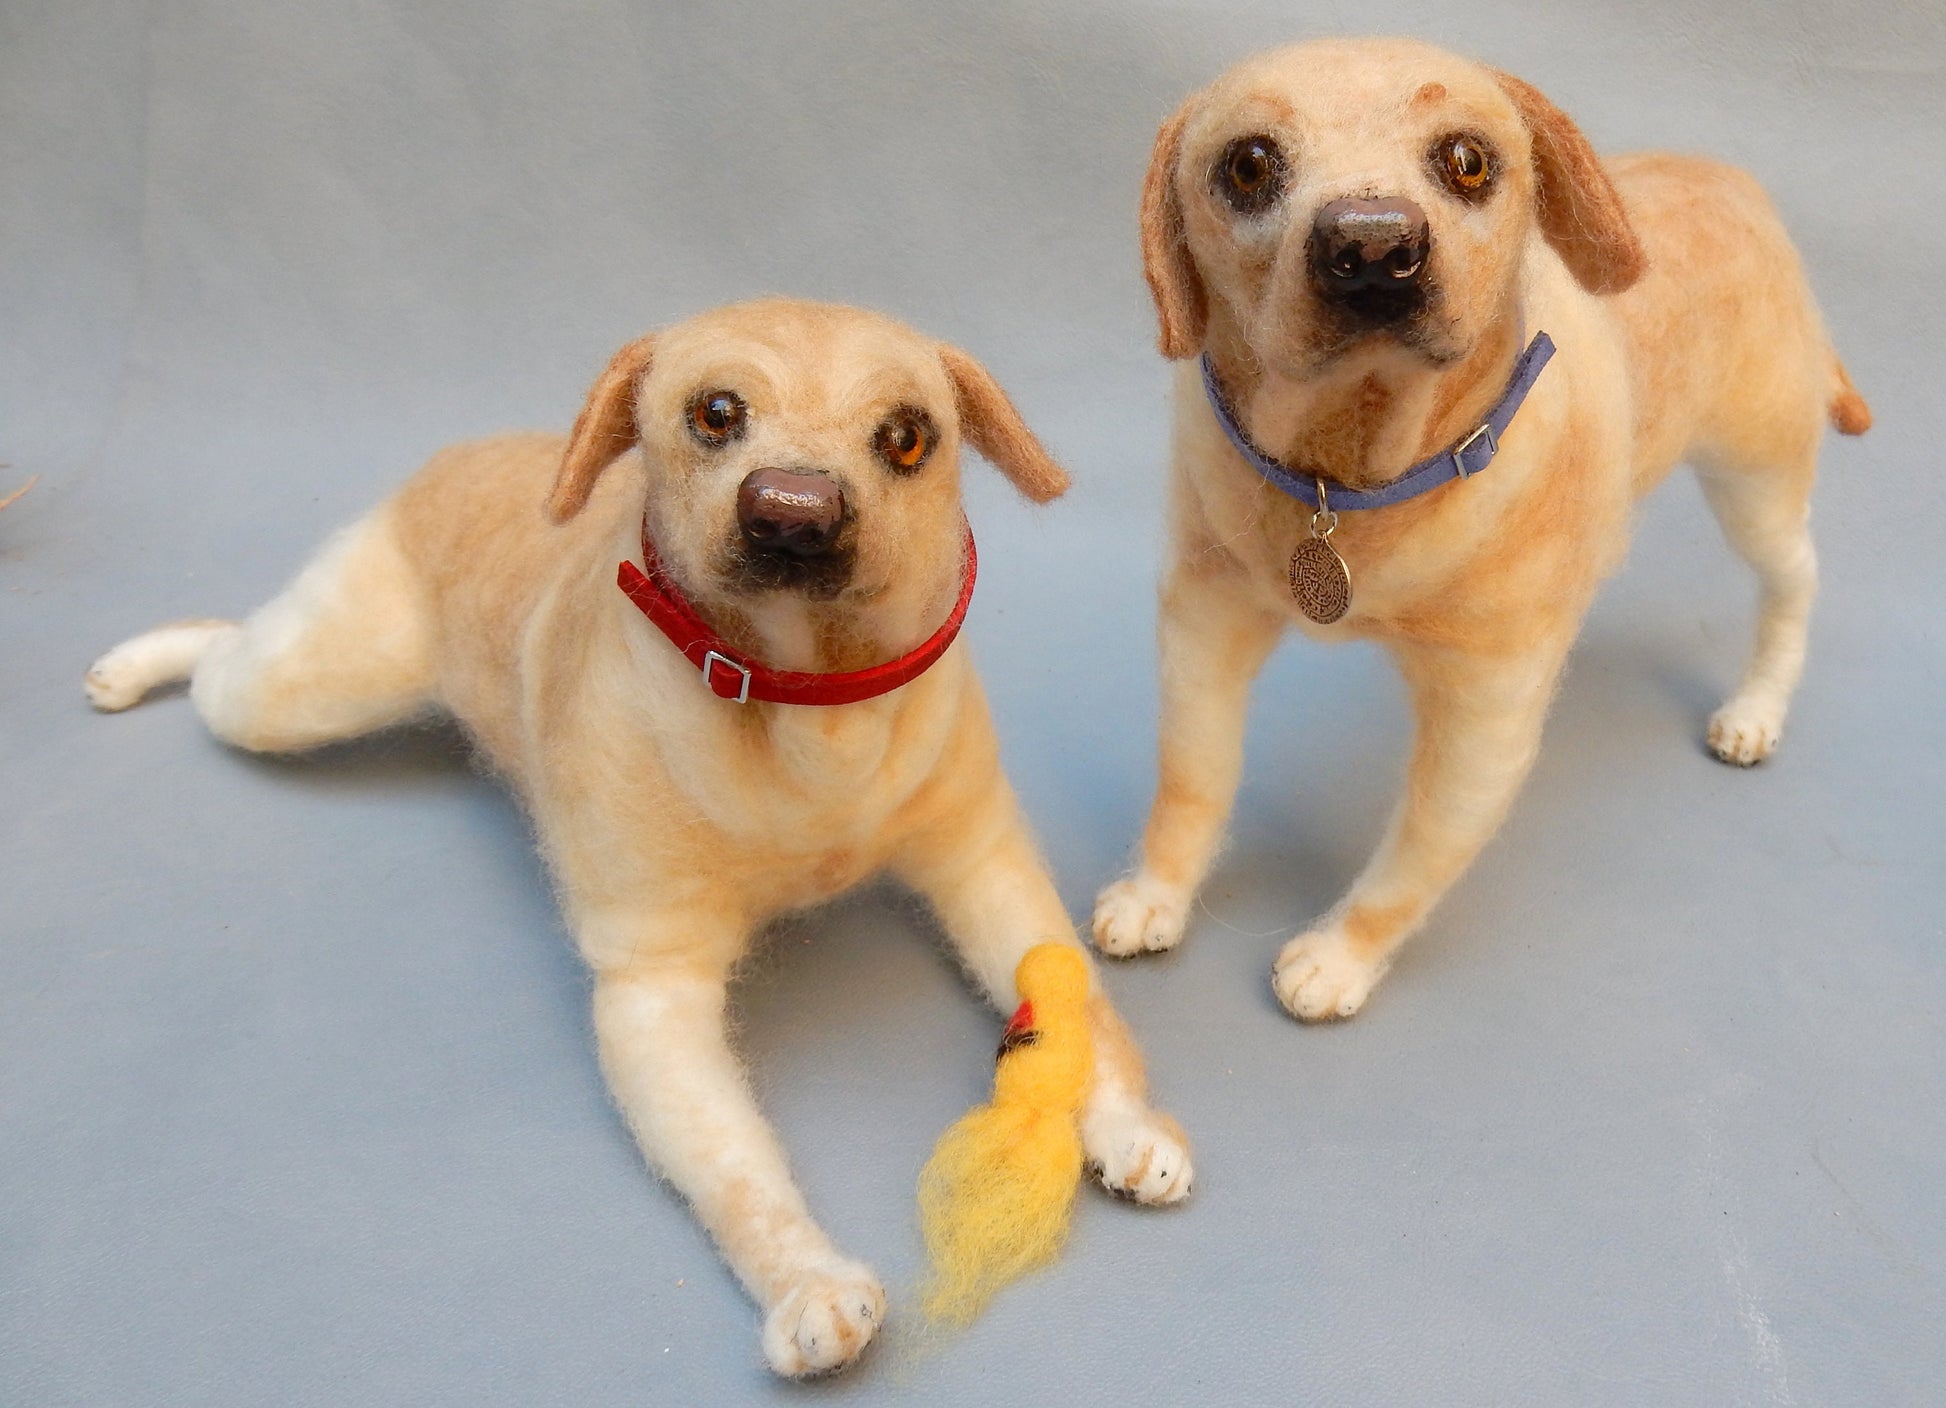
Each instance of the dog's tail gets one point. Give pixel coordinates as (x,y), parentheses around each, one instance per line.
(1848,409)
(167,655)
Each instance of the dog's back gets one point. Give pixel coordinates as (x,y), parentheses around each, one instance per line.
(1729,356)
(471,525)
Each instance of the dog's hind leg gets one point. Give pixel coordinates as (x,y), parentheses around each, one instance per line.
(1764,513)
(343,651)
(167,655)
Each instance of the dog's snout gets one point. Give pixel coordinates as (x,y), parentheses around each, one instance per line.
(1362,247)
(790,511)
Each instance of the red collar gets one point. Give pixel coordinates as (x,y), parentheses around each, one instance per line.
(731,675)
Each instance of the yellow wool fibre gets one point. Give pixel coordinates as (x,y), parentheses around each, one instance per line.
(996,1198)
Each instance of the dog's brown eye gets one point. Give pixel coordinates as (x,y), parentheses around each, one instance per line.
(716,417)
(1250,174)
(1465,165)
(905,439)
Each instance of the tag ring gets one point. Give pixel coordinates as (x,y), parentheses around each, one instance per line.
(1324,522)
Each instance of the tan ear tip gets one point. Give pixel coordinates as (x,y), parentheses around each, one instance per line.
(1177,337)
(1174,346)
(564,501)
(1052,482)
(1625,271)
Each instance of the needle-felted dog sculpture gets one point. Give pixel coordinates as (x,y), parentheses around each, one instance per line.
(759,707)
(1433,350)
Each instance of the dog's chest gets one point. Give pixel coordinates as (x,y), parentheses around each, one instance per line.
(1272,537)
(809,793)
(1464,549)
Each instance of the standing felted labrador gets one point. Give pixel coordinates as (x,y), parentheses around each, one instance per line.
(1433,350)
(720,668)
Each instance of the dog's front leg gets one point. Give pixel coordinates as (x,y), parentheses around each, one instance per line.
(991,891)
(1478,726)
(665,1049)
(1213,637)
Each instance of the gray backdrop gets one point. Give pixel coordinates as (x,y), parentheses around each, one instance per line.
(297,1094)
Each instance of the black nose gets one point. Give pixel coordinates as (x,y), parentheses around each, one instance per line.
(1371,254)
(785,511)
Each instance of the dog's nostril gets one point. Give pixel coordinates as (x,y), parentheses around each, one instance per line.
(1403,262)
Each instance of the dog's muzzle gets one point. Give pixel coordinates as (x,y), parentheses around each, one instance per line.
(791,531)
(1368,257)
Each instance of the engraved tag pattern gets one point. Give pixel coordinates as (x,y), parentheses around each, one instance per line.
(1320,581)
(1319,578)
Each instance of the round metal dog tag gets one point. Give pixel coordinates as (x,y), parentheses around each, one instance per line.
(1320,581)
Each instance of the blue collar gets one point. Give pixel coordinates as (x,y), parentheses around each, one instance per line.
(1473,453)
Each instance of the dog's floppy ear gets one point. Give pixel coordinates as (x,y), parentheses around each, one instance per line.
(988,419)
(1181,304)
(605,428)
(1580,212)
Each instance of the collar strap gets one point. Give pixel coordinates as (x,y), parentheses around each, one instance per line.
(735,676)
(1473,453)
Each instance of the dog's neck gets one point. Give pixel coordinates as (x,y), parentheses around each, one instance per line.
(1372,412)
(790,631)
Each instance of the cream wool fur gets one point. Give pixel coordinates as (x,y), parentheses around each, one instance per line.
(675,822)
(1685,330)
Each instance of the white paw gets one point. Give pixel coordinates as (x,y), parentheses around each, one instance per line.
(1319,979)
(117,681)
(1139,914)
(825,1321)
(1139,1154)
(162,656)
(1746,731)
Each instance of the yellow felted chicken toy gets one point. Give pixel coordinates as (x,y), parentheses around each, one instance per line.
(996,1198)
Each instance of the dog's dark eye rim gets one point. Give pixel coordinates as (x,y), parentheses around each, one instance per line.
(1249,173)
(717,415)
(1469,180)
(905,438)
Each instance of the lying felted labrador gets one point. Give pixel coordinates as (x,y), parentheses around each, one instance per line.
(1374,249)
(766,709)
